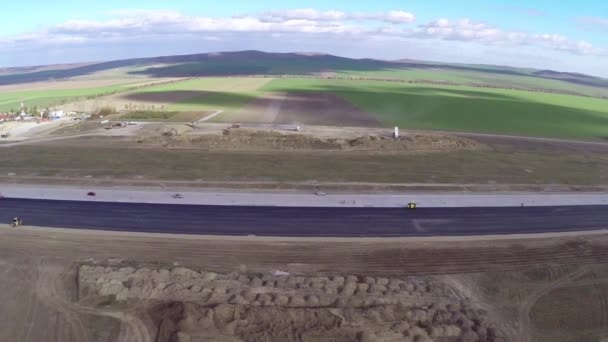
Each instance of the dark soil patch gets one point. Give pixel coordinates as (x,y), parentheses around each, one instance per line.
(323,109)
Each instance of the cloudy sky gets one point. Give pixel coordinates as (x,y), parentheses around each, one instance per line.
(561,35)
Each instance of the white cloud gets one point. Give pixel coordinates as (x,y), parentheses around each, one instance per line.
(400,16)
(393,17)
(143,25)
(157,22)
(301,14)
(466,30)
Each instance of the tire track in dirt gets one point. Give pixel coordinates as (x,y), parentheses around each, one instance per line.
(30,302)
(49,290)
(527,303)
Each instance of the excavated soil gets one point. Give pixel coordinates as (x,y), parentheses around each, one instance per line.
(246,139)
(189,305)
(68,285)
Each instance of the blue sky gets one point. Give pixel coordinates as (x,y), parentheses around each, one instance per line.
(566,35)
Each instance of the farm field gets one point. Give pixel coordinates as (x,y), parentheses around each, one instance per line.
(478,77)
(306,101)
(313,108)
(372,103)
(192,95)
(45,94)
(466,109)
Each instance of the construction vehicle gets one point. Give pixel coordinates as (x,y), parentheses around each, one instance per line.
(17,222)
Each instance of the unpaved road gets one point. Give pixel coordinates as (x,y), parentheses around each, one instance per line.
(127,131)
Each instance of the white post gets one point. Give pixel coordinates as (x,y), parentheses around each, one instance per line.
(396,134)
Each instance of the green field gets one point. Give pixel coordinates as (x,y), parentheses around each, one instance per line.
(53,97)
(467,109)
(294,65)
(480,77)
(407,105)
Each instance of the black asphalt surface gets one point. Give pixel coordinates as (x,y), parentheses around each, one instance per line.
(298,221)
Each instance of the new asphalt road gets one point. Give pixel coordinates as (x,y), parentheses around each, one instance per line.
(298,221)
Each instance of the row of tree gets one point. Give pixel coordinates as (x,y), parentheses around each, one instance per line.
(33,111)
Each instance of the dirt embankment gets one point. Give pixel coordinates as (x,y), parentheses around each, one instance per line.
(187,305)
(245,139)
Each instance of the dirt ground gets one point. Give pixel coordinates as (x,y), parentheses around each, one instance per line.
(62,285)
(264,109)
(305,109)
(261,140)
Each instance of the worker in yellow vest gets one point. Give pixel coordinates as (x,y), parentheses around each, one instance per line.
(411,205)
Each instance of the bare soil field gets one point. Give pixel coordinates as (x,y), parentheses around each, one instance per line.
(264,109)
(60,285)
(557,303)
(305,109)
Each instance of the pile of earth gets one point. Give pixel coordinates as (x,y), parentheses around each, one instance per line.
(244,139)
(414,142)
(189,305)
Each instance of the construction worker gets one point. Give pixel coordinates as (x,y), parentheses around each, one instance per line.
(411,205)
(16,222)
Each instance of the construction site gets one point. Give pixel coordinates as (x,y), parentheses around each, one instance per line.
(318,207)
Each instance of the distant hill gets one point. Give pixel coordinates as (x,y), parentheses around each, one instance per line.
(208,64)
(253,62)
(35,68)
(257,63)
(462,66)
(572,77)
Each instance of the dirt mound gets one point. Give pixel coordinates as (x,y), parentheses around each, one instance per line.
(163,130)
(245,139)
(199,305)
(420,142)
